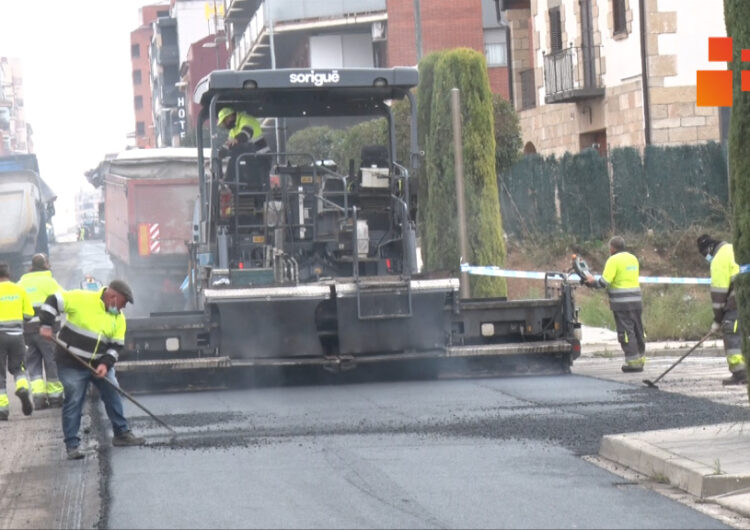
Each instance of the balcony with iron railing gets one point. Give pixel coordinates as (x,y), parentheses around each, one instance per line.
(573,74)
(250,20)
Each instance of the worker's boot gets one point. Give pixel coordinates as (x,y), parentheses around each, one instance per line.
(40,402)
(26,405)
(737,378)
(635,365)
(74,453)
(126,439)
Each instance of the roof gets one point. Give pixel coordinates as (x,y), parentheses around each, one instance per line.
(165,153)
(292,92)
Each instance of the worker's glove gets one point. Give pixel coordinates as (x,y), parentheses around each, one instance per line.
(715,327)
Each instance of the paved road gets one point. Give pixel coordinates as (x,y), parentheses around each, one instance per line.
(412,454)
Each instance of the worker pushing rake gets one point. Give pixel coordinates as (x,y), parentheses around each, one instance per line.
(89,341)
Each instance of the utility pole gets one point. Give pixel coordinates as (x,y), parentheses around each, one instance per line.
(418,28)
(273,67)
(458,164)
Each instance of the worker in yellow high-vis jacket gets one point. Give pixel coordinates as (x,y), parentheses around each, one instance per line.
(93,331)
(621,279)
(724,269)
(15,307)
(40,353)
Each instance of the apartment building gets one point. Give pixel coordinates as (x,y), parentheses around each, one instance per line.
(612,73)
(140,44)
(364,33)
(15,132)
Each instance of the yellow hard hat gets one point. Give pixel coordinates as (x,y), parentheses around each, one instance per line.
(223,113)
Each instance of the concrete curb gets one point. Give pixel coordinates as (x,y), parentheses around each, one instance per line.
(639,452)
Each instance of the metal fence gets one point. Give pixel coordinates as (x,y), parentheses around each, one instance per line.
(591,196)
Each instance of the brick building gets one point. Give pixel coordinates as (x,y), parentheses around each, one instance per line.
(140,42)
(315,34)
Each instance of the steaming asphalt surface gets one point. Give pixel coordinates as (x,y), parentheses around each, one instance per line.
(501,452)
(408,454)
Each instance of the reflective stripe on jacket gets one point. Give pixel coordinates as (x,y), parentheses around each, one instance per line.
(620,277)
(89,330)
(245,128)
(723,271)
(39,285)
(14,307)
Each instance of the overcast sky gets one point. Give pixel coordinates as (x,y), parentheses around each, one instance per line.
(78,93)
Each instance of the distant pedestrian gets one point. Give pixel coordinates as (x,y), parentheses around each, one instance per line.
(621,279)
(724,270)
(94,331)
(15,307)
(40,353)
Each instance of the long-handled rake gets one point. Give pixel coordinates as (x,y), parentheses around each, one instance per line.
(652,384)
(116,387)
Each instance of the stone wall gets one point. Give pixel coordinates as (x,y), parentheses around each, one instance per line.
(556,128)
(675,118)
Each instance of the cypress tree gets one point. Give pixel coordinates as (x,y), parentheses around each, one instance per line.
(737,17)
(424,110)
(466,70)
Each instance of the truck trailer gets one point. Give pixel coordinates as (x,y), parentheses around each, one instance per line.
(27,203)
(149,202)
(308,261)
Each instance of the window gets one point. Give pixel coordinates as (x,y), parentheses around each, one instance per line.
(620,24)
(495,49)
(137,77)
(162,13)
(528,89)
(140,128)
(135,51)
(555,30)
(138,102)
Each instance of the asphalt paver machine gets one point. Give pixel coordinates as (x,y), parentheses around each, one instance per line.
(302,259)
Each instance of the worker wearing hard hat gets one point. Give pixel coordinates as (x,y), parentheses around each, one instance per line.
(40,353)
(243,129)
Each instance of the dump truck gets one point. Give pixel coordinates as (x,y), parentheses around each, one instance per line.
(149,202)
(28,204)
(303,261)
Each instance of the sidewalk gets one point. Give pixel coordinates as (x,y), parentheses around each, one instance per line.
(39,487)
(709,462)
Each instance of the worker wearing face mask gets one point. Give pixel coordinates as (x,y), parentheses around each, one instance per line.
(94,331)
(724,270)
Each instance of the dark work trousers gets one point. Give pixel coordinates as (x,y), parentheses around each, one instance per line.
(12,350)
(630,333)
(730,325)
(40,361)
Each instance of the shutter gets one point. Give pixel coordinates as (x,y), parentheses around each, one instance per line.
(555,29)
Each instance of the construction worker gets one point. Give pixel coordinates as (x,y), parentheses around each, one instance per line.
(40,353)
(724,270)
(620,278)
(94,332)
(15,308)
(244,130)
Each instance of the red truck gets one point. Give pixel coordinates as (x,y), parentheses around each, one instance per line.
(149,201)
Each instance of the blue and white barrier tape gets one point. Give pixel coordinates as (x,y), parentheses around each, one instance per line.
(505,273)
(744,269)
